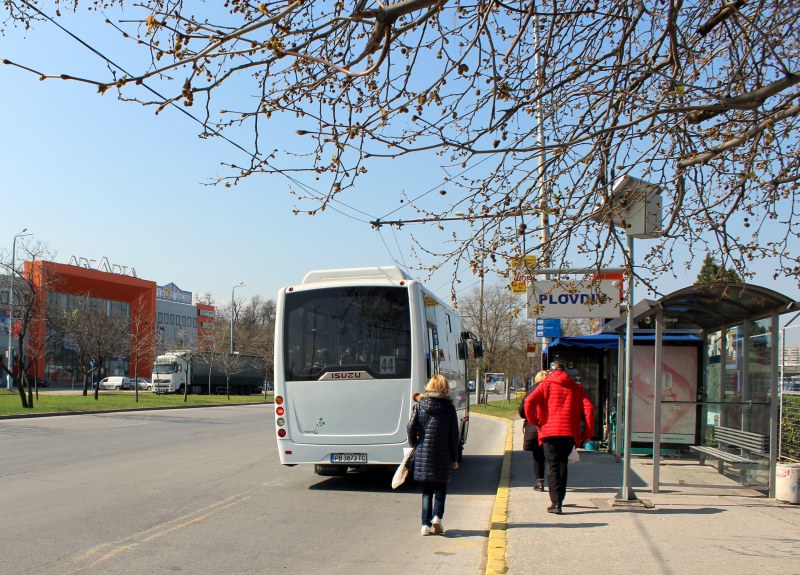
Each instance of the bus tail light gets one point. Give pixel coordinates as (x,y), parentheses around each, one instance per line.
(280,421)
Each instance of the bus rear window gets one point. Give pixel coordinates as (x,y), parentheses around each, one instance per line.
(347,329)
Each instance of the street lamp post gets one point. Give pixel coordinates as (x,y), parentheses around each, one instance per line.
(233,310)
(9,382)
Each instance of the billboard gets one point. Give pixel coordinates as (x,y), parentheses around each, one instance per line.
(678,385)
(495,382)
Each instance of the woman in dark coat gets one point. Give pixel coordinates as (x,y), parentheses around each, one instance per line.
(531,439)
(433,430)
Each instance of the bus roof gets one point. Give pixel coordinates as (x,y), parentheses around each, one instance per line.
(374,272)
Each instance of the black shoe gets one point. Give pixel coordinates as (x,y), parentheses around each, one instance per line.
(554,508)
(539,485)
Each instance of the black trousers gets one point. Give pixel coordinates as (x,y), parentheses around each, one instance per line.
(538,462)
(556,452)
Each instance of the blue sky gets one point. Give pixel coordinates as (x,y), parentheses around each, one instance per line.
(95,177)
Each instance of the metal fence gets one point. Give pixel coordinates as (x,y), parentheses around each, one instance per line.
(790,392)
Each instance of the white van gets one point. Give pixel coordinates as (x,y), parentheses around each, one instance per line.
(115,382)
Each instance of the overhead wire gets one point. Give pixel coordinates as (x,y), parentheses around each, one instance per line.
(317,194)
(307,188)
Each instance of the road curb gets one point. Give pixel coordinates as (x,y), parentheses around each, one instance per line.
(123,410)
(497,549)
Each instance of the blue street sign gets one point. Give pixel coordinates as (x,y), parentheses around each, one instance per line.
(548,327)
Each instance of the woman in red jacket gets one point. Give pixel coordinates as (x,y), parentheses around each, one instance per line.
(557,408)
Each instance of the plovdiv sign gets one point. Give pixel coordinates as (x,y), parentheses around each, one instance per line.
(573,299)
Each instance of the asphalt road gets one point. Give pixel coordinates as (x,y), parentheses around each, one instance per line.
(201,491)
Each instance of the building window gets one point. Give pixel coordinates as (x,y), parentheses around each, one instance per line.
(183,320)
(160,317)
(172,319)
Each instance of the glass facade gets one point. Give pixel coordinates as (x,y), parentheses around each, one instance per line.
(62,346)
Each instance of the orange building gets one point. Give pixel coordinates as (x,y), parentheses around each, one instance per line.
(56,282)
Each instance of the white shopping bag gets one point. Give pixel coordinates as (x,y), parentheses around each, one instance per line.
(573,456)
(402,469)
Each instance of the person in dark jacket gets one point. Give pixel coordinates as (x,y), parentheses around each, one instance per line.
(433,430)
(557,407)
(531,438)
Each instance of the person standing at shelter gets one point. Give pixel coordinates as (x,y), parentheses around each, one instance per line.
(557,407)
(530,441)
(433,431)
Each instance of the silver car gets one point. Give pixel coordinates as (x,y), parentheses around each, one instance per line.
(142,383)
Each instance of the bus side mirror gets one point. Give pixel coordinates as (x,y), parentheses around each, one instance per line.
(462,350)
(477,349)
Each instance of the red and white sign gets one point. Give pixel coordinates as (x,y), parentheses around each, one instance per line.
(562,299)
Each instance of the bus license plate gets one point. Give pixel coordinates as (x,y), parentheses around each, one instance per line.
(348,457)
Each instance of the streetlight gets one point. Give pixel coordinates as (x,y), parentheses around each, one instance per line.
(11,303)
(233,309)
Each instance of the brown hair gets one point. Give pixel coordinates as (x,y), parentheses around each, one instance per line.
(438,383)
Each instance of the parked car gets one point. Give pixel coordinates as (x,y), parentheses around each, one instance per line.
(142,383)
(115,382)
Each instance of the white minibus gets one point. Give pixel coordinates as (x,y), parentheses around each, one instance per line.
(353,350)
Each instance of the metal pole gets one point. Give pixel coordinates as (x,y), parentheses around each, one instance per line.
(658,377)
(776,390)
(233,310)
(545,220)
(620,399)
(478,386)
(626,493)
(9,381)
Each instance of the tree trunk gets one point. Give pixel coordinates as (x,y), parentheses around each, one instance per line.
(22,395)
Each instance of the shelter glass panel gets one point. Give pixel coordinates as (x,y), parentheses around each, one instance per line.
(759,357)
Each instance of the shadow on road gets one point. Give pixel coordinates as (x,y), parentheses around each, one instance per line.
(478,475)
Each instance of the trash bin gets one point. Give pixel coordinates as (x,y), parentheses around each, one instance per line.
(787,482)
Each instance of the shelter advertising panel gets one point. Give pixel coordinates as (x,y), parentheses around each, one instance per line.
(679,384)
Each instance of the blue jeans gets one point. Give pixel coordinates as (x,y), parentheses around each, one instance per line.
(433,496)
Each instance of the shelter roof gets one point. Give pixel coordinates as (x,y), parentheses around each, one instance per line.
(709,307)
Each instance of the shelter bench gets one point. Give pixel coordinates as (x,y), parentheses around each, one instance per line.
(746,443)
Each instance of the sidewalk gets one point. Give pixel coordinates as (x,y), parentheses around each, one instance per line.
(701,522)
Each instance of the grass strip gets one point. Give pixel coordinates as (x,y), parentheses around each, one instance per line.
(48,402)
(505,408)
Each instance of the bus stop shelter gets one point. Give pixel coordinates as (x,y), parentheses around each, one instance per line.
(739,361)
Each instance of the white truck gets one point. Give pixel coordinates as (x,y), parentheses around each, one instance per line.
(171,371)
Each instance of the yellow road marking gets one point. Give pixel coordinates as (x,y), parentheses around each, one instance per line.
(497,549)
